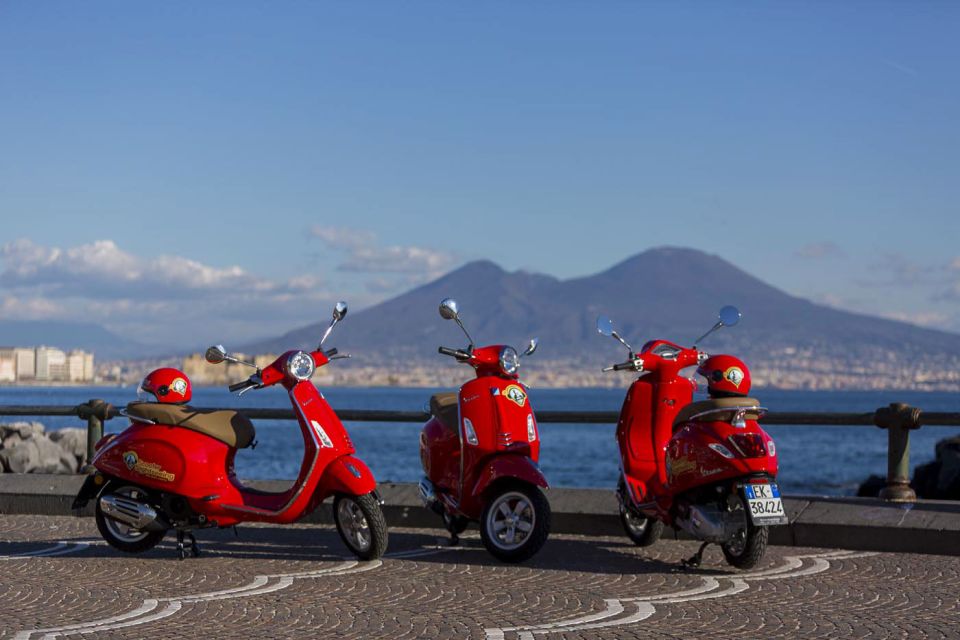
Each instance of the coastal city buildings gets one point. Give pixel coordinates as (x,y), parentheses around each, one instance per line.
(45,364)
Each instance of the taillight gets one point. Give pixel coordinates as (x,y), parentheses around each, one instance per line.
(748,445)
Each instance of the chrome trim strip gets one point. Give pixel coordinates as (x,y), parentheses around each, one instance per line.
(746,409)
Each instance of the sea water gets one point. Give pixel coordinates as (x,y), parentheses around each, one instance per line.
(813,460)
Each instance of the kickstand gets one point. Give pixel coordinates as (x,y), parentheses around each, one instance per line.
(694,561)
(194,547)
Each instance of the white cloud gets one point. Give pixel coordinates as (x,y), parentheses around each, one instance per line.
(817,250)
(364,255)
(102,269)
(166,299)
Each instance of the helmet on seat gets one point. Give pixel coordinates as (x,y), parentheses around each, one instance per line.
(726,376)
(167,385)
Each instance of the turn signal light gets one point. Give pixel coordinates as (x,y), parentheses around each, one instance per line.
(749,445)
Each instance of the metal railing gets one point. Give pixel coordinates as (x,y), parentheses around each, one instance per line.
(897,418)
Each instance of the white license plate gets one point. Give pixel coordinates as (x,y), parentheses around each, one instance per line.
(765,504)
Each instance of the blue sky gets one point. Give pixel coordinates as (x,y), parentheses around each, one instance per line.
(239,165)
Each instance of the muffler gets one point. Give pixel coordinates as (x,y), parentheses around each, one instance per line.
(711,524)
(428,496)
(132,513)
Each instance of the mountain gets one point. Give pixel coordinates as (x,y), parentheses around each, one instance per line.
(105,344)
(672,293)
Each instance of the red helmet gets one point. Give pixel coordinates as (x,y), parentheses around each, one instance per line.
(167,385)
(726,376)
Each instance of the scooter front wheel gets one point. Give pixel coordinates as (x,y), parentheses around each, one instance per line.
(515,523)
(361,525)
(643,531)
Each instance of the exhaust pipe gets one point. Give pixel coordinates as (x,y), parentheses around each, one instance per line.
(427,495)
(132,513)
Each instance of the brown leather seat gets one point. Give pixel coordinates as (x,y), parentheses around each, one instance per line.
(228,427)
(445,407)
(731,404)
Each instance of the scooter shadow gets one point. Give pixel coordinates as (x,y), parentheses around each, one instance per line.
(558,554)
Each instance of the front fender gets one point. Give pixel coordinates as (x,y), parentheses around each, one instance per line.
(510,465)
(347,475)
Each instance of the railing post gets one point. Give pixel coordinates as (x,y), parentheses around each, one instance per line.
(95,412)
(898,419)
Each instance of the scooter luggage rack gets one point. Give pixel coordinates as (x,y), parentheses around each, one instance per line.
(739,414)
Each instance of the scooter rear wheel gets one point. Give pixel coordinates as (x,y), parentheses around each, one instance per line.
(746,550)
(122,536)
(515,522)
(361,525)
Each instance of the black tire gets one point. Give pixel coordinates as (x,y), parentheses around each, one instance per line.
(747,549)
(361,525)
(643,531)
(117,534)
(534,511)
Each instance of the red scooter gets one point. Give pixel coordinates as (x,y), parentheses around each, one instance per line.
(173,467)
(704,467)
(480,451)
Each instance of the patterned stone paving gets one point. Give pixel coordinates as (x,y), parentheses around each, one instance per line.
(58,579)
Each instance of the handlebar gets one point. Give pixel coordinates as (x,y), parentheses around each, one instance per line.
(329,353)
(243,384)
(459,354)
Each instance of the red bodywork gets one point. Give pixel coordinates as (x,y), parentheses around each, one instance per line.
(200,468)
(657,463)
(498,409)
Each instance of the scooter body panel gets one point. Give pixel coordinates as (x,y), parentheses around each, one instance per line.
(644,429)
(497,411)
(691,462)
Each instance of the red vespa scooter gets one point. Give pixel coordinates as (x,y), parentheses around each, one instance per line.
(704,467)
(480,450)
(173,467)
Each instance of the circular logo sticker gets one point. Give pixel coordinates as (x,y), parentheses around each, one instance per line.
(734,375)
(179,386)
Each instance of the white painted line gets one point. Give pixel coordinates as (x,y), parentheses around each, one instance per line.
(260,585)
(792,567)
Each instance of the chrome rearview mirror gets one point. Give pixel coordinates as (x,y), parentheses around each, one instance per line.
(448,311)
(215,354)
(531,347)
(339,313)
(605,328)
(728,317)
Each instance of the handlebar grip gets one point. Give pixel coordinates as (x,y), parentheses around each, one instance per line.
(459,354)
(330,352)
(237,386)
(623,366)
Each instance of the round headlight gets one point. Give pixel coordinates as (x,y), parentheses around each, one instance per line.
(300,365)
(509,361)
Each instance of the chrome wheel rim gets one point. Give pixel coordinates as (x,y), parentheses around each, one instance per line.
(353,523)
(510,520)
(120,530)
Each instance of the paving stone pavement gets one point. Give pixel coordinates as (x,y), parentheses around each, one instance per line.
(58,579)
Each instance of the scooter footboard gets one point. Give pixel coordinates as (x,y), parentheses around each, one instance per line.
(346,475)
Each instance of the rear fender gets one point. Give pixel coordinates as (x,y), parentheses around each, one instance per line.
(347,475)
(90,489)
(510,466)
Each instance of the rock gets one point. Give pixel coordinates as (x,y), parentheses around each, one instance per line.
(21,458)
(52,459)
(73,440)
(23,430)
(871,486)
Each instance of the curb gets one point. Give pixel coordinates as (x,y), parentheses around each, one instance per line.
(860,524)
